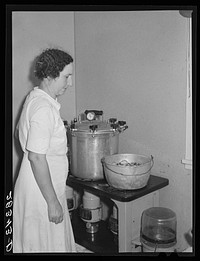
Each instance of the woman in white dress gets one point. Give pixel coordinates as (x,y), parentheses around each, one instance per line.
(41,221)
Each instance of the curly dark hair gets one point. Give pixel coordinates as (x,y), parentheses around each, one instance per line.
(51,62)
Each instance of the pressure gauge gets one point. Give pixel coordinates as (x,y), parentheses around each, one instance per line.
(90,116)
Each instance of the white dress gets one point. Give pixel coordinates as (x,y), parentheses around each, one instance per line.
(41,130)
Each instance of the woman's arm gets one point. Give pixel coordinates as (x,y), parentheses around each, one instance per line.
(42,176)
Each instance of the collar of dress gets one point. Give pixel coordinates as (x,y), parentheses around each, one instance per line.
(53,101)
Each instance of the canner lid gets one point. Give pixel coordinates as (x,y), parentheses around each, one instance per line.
(97,126)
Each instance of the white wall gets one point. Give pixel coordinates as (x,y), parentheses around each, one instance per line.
(132,65)
(32,32)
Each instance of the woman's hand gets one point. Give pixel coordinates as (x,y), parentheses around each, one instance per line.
(55,212)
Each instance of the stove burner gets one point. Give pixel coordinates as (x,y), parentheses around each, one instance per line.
(108,188)
(80,178)
(103,185)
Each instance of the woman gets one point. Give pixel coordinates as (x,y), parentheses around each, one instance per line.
(41,220)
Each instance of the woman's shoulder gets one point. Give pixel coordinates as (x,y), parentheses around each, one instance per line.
(39,104)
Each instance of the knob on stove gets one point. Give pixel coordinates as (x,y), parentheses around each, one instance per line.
(92,227)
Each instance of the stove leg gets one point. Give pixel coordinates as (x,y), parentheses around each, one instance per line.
(125,220)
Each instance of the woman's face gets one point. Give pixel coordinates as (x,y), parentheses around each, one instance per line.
(64,80)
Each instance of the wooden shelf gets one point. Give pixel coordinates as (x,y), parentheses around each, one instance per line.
(100,242)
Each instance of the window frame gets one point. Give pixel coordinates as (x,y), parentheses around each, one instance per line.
(187,161)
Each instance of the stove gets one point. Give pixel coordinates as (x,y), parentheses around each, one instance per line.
(125,202)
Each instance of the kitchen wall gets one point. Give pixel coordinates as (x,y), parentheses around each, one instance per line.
(31,33)
(132,65)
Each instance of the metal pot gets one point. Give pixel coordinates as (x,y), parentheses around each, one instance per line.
(127,171)
(89,140)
